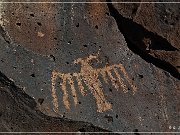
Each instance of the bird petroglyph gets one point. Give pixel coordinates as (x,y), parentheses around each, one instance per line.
(89,76)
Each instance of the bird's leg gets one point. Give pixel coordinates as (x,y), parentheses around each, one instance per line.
(53,91)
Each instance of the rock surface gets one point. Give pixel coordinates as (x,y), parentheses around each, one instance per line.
(158,32)
(18,113)
(113,65)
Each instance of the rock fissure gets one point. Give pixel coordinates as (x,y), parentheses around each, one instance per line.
(140,41)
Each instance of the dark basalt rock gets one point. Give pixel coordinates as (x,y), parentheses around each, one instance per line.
(162,21)
(19,114)
(113,65)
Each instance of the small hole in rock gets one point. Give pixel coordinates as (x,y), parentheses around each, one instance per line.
(39,23)
(32,15)
(96,27)
(52,57)
(77,25)
(40,100)
(85,45)
(82,130)
(32,75)
(109,118)
(18,24)
(136,130)
(110,89)
(141,76)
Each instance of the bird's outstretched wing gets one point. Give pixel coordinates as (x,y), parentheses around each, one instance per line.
(66,78)
(112,74)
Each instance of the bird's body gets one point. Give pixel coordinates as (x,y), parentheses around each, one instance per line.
(90,77)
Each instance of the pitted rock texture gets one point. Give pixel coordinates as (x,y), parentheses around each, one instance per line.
(105,64)
(18,113)
(162,20)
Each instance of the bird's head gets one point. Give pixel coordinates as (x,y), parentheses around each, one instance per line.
(87,59)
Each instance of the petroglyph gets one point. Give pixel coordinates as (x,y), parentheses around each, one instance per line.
(89,76)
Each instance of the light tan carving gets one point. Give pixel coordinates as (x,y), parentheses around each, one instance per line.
(89,76)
